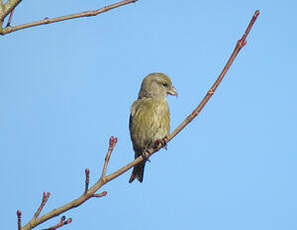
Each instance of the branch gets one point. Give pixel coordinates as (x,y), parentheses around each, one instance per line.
(43,202)
(112,143)
(19,215)
(89,193)
(87,181)
(46,20)
(62,222)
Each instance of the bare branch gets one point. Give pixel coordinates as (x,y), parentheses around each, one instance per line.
(87,172)
(112,142)
(62,222)
(45,197)
(19,215)
(100,194)
(46,20)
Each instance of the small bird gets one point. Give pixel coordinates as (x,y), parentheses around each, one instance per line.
(150,117)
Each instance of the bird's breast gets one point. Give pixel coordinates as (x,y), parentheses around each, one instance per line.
(149,121)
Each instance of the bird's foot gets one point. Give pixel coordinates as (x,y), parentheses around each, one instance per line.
(163,142)
(145,158)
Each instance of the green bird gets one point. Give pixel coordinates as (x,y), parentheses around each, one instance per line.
(150,117)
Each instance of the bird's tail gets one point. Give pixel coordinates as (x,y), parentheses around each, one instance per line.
(137,172)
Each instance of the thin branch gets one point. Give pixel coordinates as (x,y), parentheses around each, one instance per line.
(87,173)
(64,18)
(19,215)
(62,222)
(45,197)
(112,143)
(100,194)
(105,179)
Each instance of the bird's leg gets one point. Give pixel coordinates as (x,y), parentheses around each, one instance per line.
(144,156)
(162,141)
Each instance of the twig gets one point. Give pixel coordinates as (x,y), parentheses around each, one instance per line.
(67,17)
(105,179)
(45,197)
(87,172)
(112,143)
(62,222)
(10,17)
(19,215)
(100,194)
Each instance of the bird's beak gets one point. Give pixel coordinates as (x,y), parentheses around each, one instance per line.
(172,91)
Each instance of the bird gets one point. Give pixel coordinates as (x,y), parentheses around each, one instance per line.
(150,117)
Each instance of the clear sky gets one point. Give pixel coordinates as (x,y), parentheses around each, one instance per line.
(65,88)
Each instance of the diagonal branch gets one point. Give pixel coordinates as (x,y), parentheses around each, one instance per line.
(105,179)
(45,21)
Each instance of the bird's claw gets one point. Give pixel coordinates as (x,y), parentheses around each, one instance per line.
(163,142)
(145,158)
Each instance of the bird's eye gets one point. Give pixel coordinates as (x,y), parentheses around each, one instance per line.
(165,84)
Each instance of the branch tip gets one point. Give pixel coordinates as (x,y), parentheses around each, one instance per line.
(62,222)
(257,12)
(19,215)
(112,141)
(100,194)
(45,196)
(87,172)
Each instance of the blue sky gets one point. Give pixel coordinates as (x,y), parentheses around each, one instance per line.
(65,88)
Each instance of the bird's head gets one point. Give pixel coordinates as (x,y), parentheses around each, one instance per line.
(156,85)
